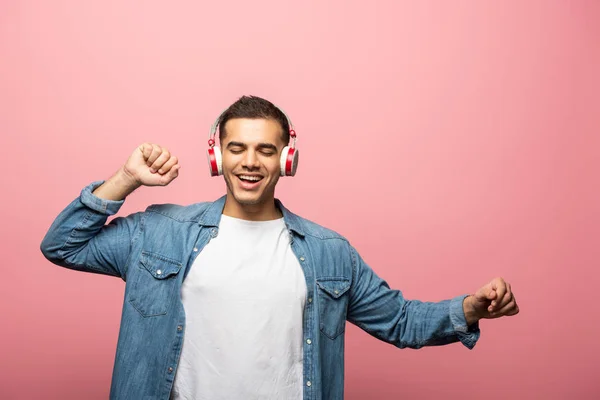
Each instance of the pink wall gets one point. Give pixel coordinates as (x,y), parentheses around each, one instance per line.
(451,142)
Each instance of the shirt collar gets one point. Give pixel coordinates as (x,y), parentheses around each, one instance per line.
(212,215)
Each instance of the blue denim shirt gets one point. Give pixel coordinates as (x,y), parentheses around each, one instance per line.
(152,251)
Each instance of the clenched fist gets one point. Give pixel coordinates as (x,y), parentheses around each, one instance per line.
(152,165)
(148,165)
(494,300)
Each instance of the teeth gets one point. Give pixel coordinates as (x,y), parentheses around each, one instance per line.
(250,178)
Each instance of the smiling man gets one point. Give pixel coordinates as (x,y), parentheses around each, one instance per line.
(240,298)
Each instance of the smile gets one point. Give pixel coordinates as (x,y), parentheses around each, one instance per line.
(250,178)
(250,182)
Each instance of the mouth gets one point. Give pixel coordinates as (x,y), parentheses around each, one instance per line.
(249,181)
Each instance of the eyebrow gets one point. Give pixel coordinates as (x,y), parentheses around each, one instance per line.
(260,145)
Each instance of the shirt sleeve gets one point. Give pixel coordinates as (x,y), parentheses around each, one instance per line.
(80,239)
(385,314)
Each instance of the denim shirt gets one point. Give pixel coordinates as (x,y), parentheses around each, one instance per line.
(152,251)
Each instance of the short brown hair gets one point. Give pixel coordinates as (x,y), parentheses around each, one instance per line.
(254,107)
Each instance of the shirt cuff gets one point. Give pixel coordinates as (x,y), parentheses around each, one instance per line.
(103,206)
(468,335)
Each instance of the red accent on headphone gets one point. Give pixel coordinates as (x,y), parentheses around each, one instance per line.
(289,162)
(214,168)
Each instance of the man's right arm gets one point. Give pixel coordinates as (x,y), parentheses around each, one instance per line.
(79,237)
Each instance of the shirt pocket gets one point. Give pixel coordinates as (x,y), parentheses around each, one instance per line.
(155,284)
(332,296)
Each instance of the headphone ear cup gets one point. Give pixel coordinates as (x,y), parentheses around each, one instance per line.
(219,160)
(288,163)
(215,162)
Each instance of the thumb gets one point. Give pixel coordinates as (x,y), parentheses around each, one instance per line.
(172,174)
(487,292)
(493,286)
(164,180)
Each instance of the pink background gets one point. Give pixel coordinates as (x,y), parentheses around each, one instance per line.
(450,142)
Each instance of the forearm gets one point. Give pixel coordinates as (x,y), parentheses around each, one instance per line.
(437,323)
(79,239)
(385,314)
(117,187)
(412,323)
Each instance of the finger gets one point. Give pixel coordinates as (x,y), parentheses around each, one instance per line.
(491,295)
(506,299)
(156,151)
(159,162)
(169,176)
(146,149)
(502,302)
(500,287)
(485,293)
(506,311)
(509,309)
(168,165)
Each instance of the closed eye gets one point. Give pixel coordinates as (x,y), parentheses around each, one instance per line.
(267,149)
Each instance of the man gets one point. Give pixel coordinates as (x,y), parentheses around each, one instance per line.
(241,298)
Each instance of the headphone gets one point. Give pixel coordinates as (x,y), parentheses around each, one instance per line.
(288,162)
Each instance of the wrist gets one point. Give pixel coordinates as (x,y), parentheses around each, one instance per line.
(471,315)
(125,180)
(118,186)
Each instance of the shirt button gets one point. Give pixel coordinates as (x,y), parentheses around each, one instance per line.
(308,341)
(308,383)
(310,299)
(336,291)
(302,258)
(179,328)
(158,272)
(195,249)
(170,369)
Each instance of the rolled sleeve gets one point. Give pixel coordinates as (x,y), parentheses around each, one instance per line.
(103,206)
(468,335)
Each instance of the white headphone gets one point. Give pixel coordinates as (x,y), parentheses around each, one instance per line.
(289,155)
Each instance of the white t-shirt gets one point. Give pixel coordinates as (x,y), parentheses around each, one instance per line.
(244,299)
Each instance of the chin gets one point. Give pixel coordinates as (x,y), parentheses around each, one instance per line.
(246,200)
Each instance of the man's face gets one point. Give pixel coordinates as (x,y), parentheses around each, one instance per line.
(251,150)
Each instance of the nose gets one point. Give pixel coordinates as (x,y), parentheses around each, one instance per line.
(250,160)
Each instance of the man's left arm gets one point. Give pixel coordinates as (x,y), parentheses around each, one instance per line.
(384,312)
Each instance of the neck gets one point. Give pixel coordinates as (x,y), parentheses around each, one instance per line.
(264,211)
